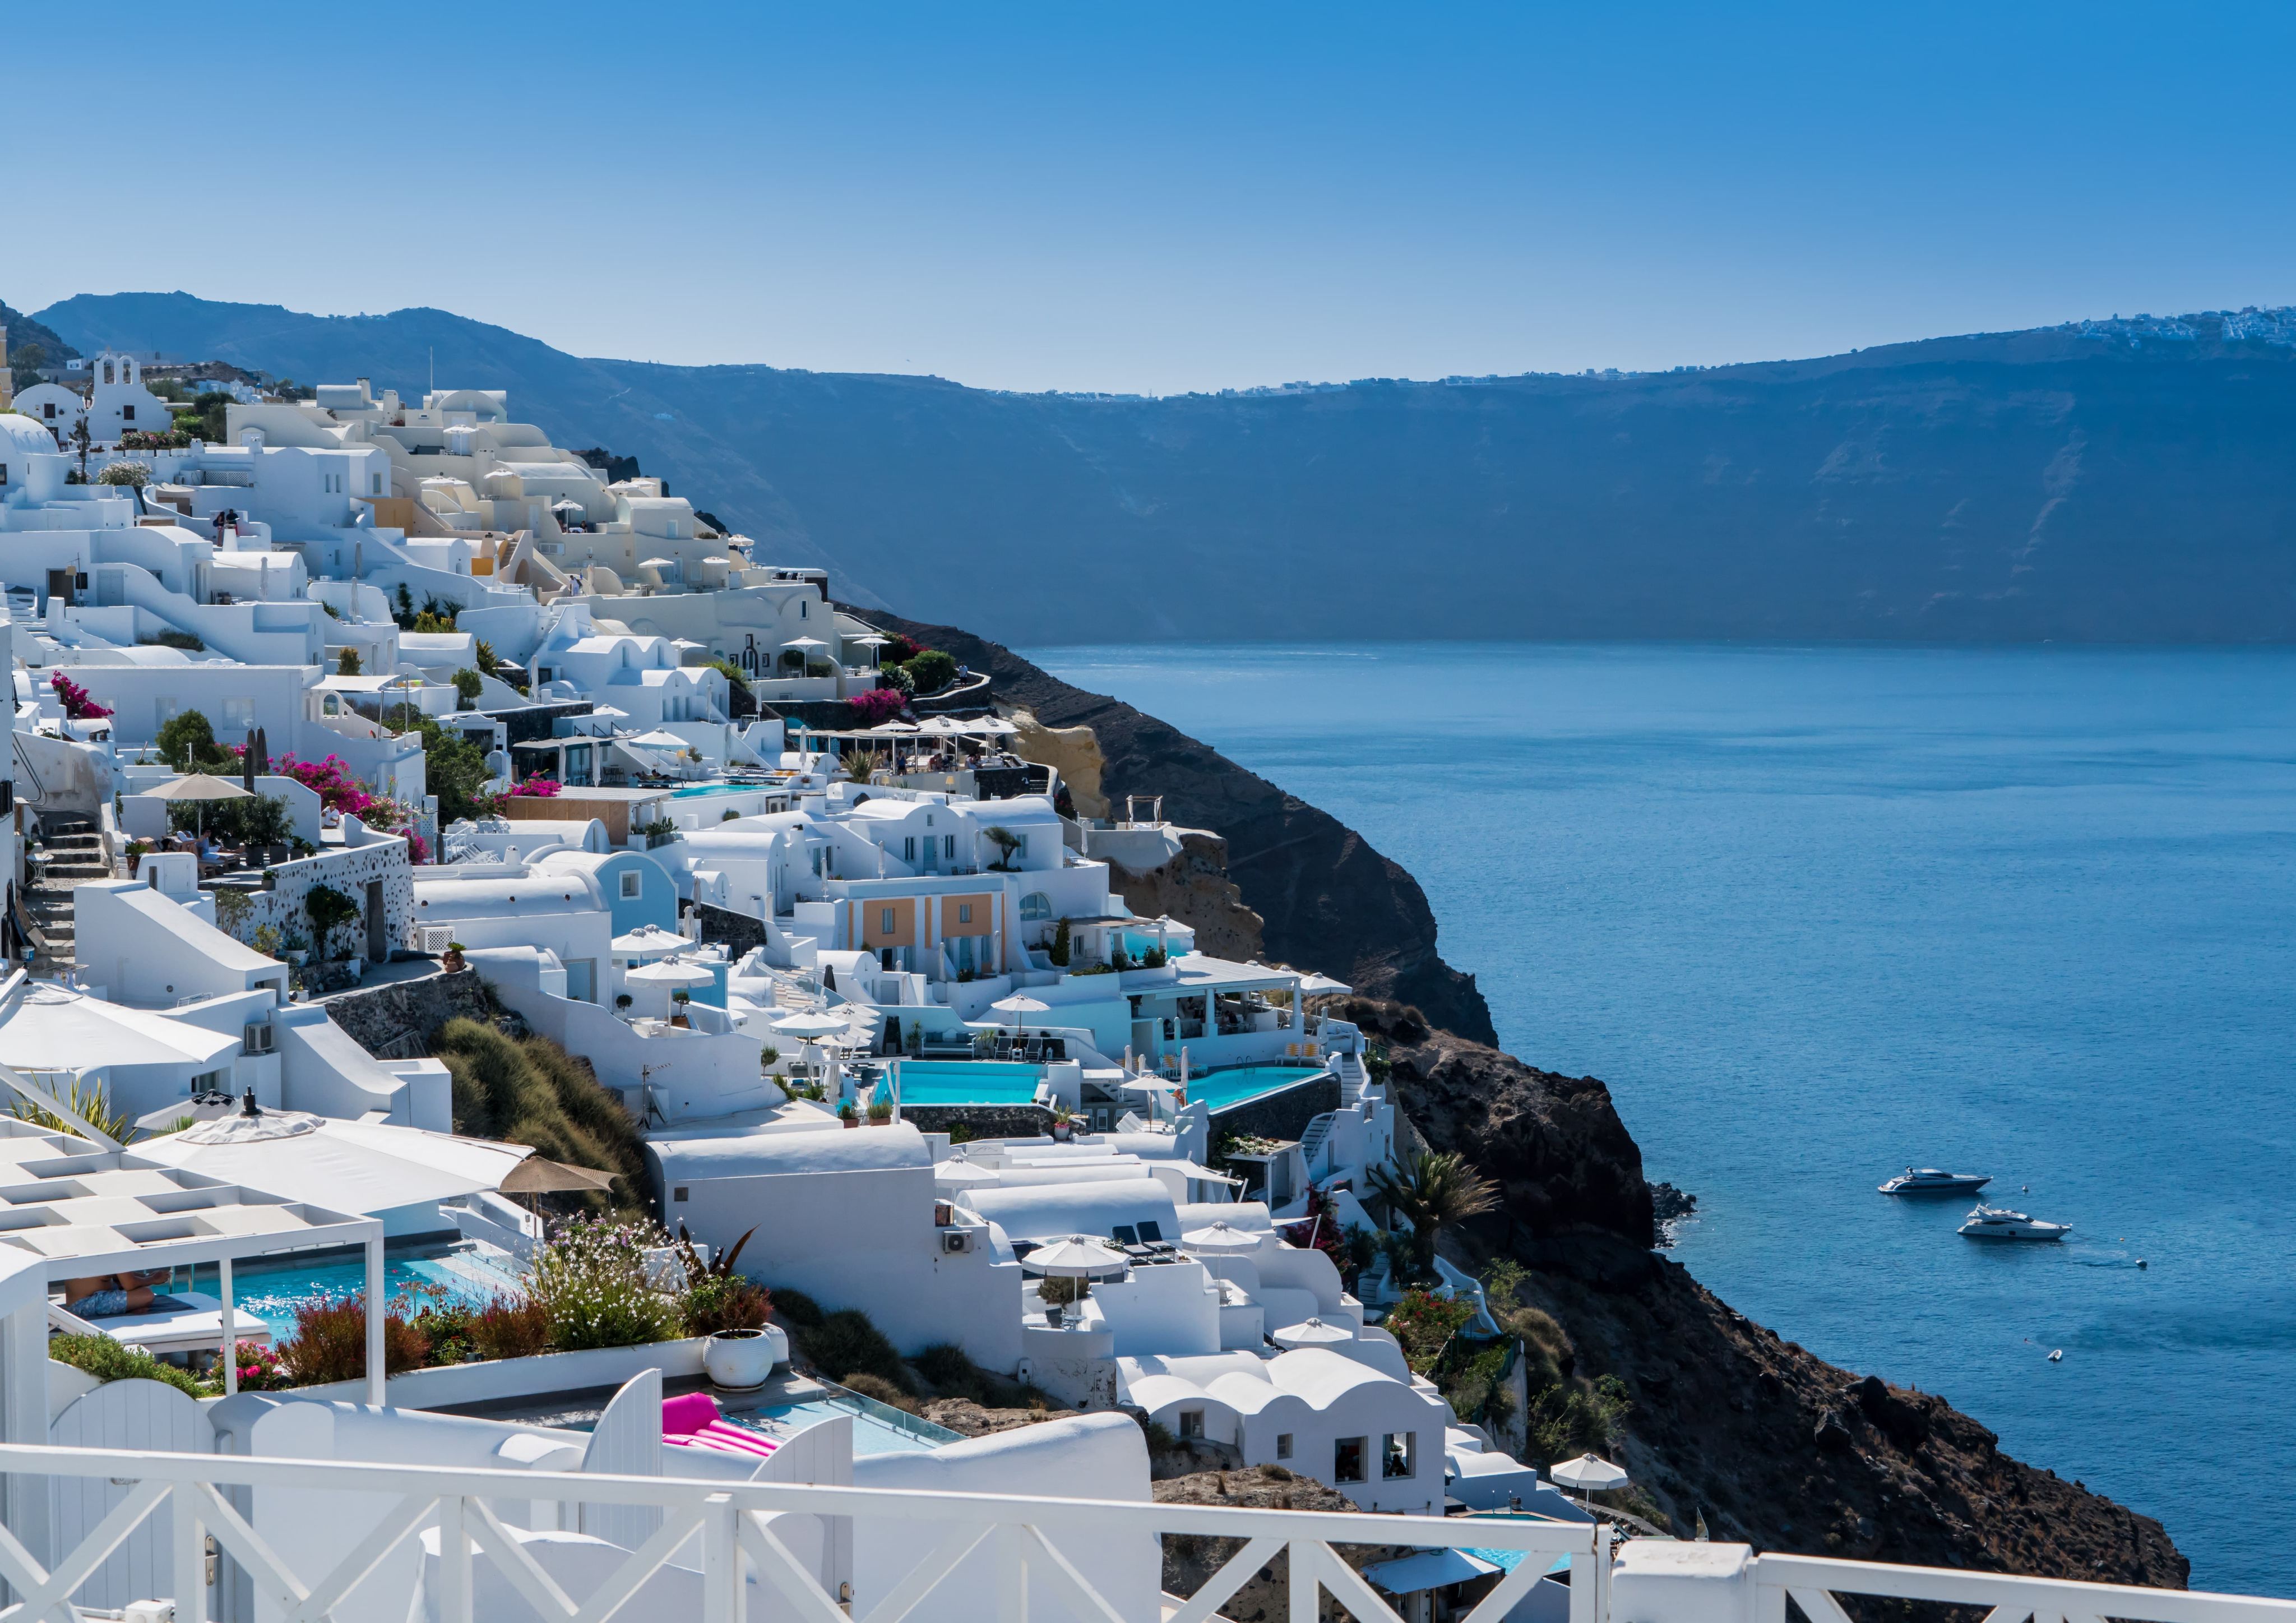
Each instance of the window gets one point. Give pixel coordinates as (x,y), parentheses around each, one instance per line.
(964,912)
(801,608)
(1348,1460)
(1191,1423)
(378,485)
(128,413)
(885,921)
(1282,1445)
(948,847)
(239,712)
(1022,849)
(1036,907)
(1399,1454)
(632,884)
(4,472)
(48,409)
(909,848)
(678,1192)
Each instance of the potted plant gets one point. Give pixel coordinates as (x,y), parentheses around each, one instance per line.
(677,1014)
(137,850)
(848,1114)
(452,962)
(881,1112)
(1063,1124)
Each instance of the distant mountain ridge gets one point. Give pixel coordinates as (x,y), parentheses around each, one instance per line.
(2121,480)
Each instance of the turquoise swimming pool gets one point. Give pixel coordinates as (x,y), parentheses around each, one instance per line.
(968,1082)
(877,1428)
(272,1295)
(1224,1090)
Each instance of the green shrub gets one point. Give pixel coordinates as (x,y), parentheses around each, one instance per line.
(883,1390)
(798,1308)
(110,1360)
(719,1302)
(85,1099)
(187,743)
(932,670)
(845,1344)
(328,908)
(591,1279)
(534,1092)
(1569,1420)
(467,687)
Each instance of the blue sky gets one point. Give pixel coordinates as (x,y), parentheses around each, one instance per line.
(1168,197)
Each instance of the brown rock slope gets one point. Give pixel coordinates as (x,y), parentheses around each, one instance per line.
(1773,1445)
(1330,900)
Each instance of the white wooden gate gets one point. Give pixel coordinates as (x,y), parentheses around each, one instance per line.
(627,1442)
(140,1415)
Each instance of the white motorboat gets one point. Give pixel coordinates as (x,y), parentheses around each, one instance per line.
(1999,1222)
(1929,1180)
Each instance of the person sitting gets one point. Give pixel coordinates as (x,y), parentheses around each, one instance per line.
(106,1295)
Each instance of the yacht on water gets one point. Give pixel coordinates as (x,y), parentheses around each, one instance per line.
(1929,1180)
(1999,1222)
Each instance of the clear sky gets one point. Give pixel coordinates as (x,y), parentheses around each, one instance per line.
(1169,196)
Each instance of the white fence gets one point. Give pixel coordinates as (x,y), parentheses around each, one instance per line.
(729,1551)
(716,1543)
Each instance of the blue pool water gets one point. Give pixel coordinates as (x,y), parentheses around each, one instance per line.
(889,1433)
(1815,913)
(272,1295)
(968,1082)
(1224,1090)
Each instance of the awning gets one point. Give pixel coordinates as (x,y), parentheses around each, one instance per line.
(1428,1569)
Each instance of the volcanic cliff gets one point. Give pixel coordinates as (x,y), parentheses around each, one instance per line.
(1768,1442)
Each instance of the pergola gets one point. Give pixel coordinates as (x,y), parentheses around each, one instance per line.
(81,1206)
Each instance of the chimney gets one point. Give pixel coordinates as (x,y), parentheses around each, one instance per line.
(367,393)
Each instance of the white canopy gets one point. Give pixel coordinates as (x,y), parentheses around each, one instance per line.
(1020,1003)
(805,642)
(344,1166)
(650,941)
(1078,1257)
(670,974)
(957,1172)
(1220,1237)
(809,1023)
(1312,984)
(1310,1332)
(200,786)
(54,1028)
(660,738)
(1588,1473)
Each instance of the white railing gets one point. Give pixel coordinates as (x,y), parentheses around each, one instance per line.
(1813,1582)
(1030,1542)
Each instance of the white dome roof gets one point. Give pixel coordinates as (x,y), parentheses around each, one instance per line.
(22,436)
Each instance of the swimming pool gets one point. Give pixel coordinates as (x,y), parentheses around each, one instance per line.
(968,1082)
(878,1428)
(272,1295)
(1224,1090)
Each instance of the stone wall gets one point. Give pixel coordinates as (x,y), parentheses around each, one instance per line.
(739,932)
(985,1120)
(281,904)
(1194,887)
(398,1021)
(1284,1115)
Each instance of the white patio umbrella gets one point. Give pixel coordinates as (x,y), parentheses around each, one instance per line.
(809,1025)
(1078,1257)
(1220,1237)
(669,976)
(1589,1474)
(1019,1005)
(896,729)
(1310,1332)
(1314,985)
(650,941)
(344,1166)
(958,1172)
(198,786)
(658,563)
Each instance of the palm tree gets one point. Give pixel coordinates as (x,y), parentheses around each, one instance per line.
(1436,1189)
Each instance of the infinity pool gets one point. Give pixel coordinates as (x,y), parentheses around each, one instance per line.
(1224,1090)
(968,1082)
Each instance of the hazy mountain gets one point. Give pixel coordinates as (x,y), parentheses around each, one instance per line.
(2113,480)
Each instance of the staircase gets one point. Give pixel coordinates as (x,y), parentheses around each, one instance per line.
(1311,1144)
(73,854)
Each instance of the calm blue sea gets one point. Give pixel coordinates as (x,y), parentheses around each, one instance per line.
(1817,912)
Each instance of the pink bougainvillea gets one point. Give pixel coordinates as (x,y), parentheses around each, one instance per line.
(541,789)
(878,706)
(331,781)
(73,697)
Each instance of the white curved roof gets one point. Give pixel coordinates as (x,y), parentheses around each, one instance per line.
(898,1147)
(23,437)
(436,901)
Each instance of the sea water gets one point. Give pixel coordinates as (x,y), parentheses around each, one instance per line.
(1818,914)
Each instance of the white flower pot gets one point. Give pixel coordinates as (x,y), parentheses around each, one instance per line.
(741,1359)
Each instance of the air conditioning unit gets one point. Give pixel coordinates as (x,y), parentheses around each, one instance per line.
(433,939)
(955,1240)
(256,1039)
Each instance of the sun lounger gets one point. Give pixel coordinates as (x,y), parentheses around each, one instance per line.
(181,1322)
(694,1422)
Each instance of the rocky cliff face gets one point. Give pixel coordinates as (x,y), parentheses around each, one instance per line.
(1195,888)
(1330,901)
(1771,1443)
